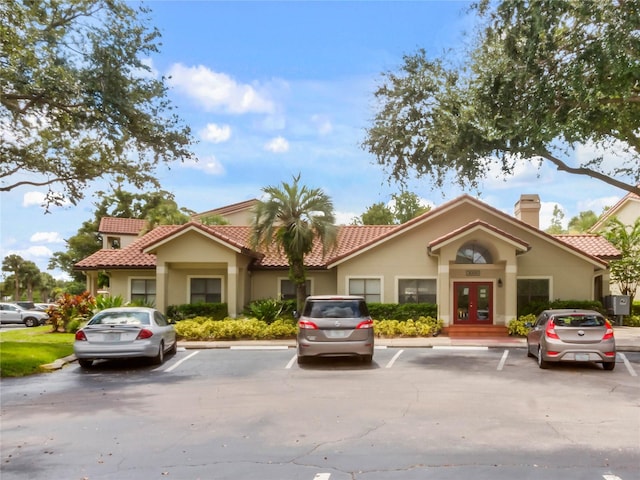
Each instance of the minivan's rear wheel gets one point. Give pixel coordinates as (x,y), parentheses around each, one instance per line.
(542,363)
(302,360)
(609,365)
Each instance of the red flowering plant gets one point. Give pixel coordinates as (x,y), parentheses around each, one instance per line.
(70,311)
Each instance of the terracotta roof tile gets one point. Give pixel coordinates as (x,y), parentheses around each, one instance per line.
(126,226)
(594,245)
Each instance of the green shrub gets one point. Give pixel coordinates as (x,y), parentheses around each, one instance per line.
(216,311)
(632,321)
(422,327)
(107,301)
(517,327)
(267,310)
(203,329)
(535,308)
(404,311)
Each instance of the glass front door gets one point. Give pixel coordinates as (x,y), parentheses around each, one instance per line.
(473,303)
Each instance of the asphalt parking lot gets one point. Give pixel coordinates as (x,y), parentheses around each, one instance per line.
(254,413)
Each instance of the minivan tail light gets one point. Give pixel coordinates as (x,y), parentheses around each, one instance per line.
(550,330)
(80,336)
(306,324)
(365,324)
(608,334)
(144,333)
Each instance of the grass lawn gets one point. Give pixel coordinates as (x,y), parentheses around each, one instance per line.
(23,351)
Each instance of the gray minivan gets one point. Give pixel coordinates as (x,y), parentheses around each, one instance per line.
(333,326)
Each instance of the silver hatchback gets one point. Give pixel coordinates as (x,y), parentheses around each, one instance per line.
(332,326)
(572,336)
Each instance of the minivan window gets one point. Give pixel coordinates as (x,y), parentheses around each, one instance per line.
(336,309)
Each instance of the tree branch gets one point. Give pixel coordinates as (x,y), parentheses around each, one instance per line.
(562,166)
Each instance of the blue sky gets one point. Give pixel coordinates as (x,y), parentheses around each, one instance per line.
(273,89)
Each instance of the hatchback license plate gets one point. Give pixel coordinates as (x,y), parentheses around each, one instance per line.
(582,357)
(336,333)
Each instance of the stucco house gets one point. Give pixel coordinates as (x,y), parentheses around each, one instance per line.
(627,210)
(474,261)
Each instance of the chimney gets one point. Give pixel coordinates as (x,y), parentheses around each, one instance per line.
(527,209)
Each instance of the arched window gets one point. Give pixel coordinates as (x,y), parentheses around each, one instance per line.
(471,252)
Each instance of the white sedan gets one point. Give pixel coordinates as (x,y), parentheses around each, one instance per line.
(125,332)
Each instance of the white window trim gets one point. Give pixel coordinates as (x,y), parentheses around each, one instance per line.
(222,285)
(130,281)
(397,279)
(280,279)
(365,277)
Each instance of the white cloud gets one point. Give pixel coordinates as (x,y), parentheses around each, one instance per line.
(209,165)
(215,133)
(47,237)
(218,91)
(345,218)
(322,124)
(32,253)
(277,145)
(33,198)
(546,214)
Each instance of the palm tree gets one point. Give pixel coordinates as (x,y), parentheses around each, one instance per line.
(291,218)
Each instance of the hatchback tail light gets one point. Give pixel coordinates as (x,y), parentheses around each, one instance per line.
(305,324)
(365,324)
(144,333)
(80,336)
(550,330)
(608,334)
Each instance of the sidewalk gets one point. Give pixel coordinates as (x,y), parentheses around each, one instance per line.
(627,340)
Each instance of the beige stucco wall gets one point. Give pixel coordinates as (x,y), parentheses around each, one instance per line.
(266,283)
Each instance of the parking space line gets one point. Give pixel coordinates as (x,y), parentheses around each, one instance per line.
(178,363)
(459,347)
(258,347)
(627,364)
(291,362)
(322,476)
(611,477)
(503,360)
(393,360)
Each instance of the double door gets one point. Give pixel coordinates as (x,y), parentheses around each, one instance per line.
(473,302)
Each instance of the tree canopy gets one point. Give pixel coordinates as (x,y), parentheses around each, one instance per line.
(542,78)
(79,99)
(403,207)
(158,208)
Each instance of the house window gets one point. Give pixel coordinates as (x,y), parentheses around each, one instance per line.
(143,290)
(206,290)
(417,290)
(472,252)
(532,290)
(369,288)
(288,289)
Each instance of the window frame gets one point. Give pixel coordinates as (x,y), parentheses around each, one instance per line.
(190,278)
(366,296)
(417,279)
(146,300)
(309,282)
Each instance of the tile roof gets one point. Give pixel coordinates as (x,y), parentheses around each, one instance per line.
(351,240)
(591,244)
(125,226)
